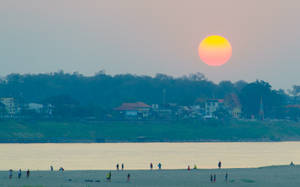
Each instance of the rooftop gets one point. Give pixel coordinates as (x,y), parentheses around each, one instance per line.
(133,106)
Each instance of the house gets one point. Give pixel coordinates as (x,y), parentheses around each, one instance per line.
(137,110)
(236,112)
(161,113)
(10,106)
(211,106)
(38,108)
(292,111)
(196,111)
(233,105)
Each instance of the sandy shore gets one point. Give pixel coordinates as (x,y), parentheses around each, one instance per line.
(259,177)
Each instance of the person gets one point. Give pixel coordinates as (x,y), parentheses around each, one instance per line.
(226,177)
(61,169)
(108,177)
(195,166)
(122,166)
(51,168)
(211,178)
(19,173)
(189,168)
(220,164)
(292,164)
(128,177)
(117,166)
(28,173)
(10,173)
(151,166)
(159,166)
(215,177)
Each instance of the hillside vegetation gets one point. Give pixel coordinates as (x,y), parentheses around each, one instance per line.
(52,131)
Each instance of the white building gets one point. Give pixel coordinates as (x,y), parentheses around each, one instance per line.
(38,108)
(10,105)
(211,106)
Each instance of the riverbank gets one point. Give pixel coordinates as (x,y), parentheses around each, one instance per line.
(274,176)
(35,131)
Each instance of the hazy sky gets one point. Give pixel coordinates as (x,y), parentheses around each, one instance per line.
(149,37)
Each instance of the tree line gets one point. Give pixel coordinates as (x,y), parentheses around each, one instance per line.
(97,94)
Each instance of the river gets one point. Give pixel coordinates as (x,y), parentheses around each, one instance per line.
(139,155)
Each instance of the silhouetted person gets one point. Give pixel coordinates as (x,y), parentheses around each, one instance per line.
(220,164)
(215,177)
(108,177)
(122,166)
(51,168)
(151,166)
(189,168)
(211,178)
(10,174)
(128,177)
(28,173)
(292,164)
(159,166)
(117,166)
(226,177)
(195,166)
(19,173)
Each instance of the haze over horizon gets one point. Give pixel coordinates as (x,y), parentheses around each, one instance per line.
(146,38)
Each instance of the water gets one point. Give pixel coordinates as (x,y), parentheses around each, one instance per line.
(139,155)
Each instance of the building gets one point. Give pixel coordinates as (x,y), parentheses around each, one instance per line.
(211,106)
(10,106)
(236,112)
(38,108)
(161,112)
(138,110)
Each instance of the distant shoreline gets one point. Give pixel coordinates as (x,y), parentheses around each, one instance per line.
(166,169)
(92,142)
(14,131)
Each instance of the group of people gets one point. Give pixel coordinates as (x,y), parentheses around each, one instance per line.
(109,174)
(118,166)
(19,174)
(195,166)
(61,169)
(108,177)
(213,178)
(159,166)
(189,168)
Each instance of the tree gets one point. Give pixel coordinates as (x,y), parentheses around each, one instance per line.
(77,92)
(222,113)
(295,92)
(225,88)
(254,93)
(64,105)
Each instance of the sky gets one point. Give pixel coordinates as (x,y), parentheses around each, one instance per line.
(149,37)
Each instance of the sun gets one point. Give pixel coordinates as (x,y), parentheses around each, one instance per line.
(215,50)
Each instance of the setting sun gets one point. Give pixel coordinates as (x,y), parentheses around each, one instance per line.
(215,50)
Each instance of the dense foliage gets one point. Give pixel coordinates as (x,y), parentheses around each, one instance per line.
(87,94)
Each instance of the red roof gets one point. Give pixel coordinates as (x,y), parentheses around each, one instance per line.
(293,106)
(216,100)
(133,106)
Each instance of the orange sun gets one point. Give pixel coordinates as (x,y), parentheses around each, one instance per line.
(215,50)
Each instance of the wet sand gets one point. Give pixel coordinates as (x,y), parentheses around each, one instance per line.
(273,176)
